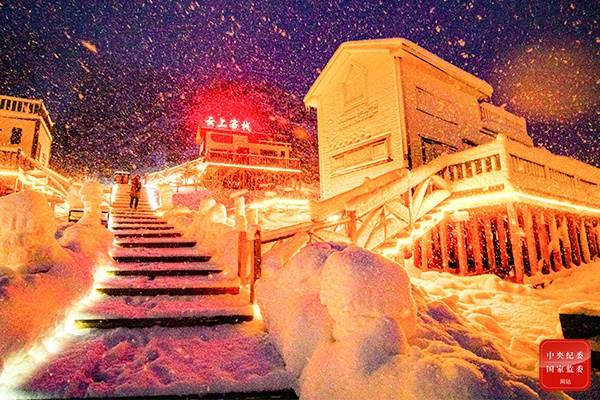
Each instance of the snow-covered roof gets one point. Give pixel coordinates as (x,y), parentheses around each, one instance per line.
(394,46)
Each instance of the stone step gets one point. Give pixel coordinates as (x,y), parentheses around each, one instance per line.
(168,311)
(134,215)
(121,221)
(155,242)
(164,266)
(147,234)
(186,291)
(149,227)
(160,258)
(168,322)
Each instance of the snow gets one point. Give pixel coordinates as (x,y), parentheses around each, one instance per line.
(581,307)
(515,317)
(167,306)
(291,308)
(164,361)
(358,287)
(41,277)
(351,325)
(27,239)
(170,282)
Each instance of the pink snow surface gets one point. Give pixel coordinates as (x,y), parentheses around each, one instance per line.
(168,306)
(164,361)
(167,251)
(169,282)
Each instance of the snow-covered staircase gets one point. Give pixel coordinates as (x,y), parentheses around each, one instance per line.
(166,322)
(170,281)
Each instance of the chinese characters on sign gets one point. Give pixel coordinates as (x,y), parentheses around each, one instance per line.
(222,123)
(565,364)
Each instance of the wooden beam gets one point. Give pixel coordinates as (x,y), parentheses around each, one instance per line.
(515,241)
(530,239)
(489,243)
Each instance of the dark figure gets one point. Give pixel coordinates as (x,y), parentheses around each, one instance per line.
(134,192)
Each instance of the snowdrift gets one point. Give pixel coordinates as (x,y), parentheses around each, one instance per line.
(214,231)
(43,271)
(350,325)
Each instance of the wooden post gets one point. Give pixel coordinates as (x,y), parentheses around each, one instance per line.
(463,267)
(515,241)
(351,225)
(256,263)
(542,235)
(489,243)
(502,239)
(574,238)
(417,253)
(444,245)
(585,247)
(475,243)
(564,235)
(591,238)
(242,257)
(555,240)
(530,239)
(425,250)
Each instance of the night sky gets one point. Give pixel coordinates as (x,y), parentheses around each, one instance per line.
(126,81)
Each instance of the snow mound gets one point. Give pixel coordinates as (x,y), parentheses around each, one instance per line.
(591,308)
(351,325)
(27,241)
(359,286)
(279,255)
(42,276)
(291,307)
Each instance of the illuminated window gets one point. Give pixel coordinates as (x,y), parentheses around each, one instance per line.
(15,137)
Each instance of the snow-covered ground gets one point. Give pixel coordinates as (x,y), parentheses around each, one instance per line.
(516,317)
(349,325)
(164,361)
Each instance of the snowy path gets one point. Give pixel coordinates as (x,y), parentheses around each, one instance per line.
(167,322)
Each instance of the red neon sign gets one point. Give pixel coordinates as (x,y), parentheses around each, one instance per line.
(233,124)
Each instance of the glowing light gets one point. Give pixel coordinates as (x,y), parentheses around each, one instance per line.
(254,167)
(256,312)
(457,206)
(19,366)
(333,218)
(279,201)
(233,123)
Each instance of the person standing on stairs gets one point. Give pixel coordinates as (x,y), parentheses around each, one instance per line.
(134,192)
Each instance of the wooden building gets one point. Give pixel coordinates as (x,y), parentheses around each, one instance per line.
(25,149)
(25,124)
(415,164)
(389,104)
